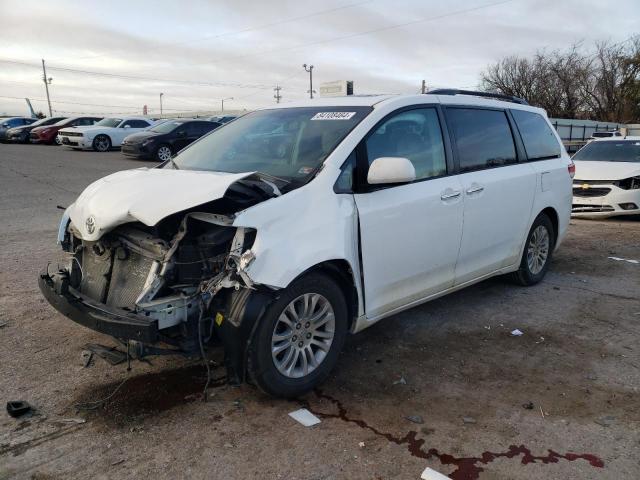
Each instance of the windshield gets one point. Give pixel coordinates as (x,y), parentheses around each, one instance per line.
(108,122)
(289,143)
(165,127)
(618,151)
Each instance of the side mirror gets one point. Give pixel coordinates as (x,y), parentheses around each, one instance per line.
(386,170)
(5,125)
(127,126)
(181,133)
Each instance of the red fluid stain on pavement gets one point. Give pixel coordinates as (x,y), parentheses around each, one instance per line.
(468,468)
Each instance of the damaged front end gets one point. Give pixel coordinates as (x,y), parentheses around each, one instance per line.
(167,288)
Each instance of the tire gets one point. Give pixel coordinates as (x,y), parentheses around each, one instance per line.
(102,143)
(269,371)
(537,253)
(161,153)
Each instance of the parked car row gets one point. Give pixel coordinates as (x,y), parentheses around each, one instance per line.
(139,137)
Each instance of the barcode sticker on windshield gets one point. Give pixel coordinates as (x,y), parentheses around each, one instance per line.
(333,115)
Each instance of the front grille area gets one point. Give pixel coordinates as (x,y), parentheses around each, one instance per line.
(590,192)
(71,134)
(581,208)
(115,277)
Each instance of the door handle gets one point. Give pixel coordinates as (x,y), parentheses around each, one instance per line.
(475,189)
(449,195)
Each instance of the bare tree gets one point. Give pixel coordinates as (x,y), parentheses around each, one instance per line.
(573,84)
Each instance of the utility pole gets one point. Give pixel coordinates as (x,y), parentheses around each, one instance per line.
(277,96)
(47,82)
(222,103)
(310,72)
(161,103)
(424,87)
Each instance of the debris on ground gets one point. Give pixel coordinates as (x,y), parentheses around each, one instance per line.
(3,324)
(415,419)
(117,462)
(469,420)
(305,417)
(361,444)
(516,333)
(87,358)
(431,474)
(541,340)
(228,445)
(542,413)
(17,408)
(72,420)
(400,381)
(528,405)
(110,354)
(618,259)
(605,421)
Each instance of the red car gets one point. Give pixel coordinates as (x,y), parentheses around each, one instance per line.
(47,134)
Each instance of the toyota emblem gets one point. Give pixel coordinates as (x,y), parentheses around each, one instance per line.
(90,224)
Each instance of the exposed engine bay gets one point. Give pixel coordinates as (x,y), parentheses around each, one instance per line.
(172,283)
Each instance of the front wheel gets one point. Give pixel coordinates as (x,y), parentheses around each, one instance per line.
(102,143)
(297,342)
(537,252)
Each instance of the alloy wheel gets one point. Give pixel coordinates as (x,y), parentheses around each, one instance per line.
(164,153)
(538,249)
(303,335)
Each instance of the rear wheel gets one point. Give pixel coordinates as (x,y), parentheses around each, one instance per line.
(297,342)
(102,143)
(163,153)
(537,252)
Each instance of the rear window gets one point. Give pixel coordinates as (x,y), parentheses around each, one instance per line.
(483,138)
(539,140)
(610,151)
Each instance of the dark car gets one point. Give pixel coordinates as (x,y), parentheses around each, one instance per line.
(21,134)
(48,134)
(222,118)
(12,122)
(165,139)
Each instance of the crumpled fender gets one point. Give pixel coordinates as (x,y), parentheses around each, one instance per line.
(301,229)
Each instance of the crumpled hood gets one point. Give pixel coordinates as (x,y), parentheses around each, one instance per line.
(586,170)
(147,195)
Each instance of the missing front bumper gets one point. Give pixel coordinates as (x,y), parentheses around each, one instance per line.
(99,317)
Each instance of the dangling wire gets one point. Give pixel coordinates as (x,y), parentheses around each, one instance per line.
(204,357)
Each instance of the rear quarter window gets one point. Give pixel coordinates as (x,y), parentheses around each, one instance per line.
(539,140)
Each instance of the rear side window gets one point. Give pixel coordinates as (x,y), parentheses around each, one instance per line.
(413,134)
(539,141)
(483,138)
(136,124)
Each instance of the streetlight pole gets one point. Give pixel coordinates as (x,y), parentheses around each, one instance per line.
(47,82)
(161,103)
(222,103)
(310,72)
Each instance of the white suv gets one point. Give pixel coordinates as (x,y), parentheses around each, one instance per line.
(284,230)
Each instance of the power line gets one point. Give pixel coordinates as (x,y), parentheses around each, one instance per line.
(139,77)
(357,34)
(264,52)
(248,29)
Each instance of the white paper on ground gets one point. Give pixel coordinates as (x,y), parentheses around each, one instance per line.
(618,259)
(431,474)
(305,417)
(516,333)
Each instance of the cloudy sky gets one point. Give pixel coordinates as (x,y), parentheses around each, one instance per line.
(115,56)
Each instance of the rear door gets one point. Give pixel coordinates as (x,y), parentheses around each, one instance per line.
(409,233)
(498,188)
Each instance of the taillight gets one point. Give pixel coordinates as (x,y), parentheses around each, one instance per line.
(572,169)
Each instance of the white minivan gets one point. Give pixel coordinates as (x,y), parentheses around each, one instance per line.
(284,230)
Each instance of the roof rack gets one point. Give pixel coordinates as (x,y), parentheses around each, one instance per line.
(497,96)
